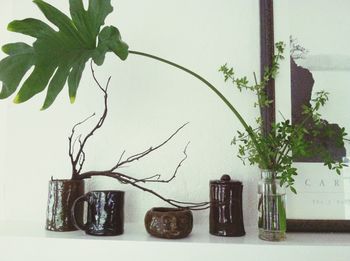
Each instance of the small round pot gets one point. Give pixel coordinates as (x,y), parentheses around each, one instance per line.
(169,223)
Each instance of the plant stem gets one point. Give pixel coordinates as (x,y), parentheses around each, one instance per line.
(217,92)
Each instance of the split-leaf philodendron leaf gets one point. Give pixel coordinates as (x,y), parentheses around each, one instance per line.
(58,56)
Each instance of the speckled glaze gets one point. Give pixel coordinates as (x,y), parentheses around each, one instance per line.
(105,213)
(170,223)
(226,215)
(62,194)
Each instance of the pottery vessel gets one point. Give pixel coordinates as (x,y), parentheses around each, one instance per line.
(170,223)
(226,214)
(62,194)
(105,213)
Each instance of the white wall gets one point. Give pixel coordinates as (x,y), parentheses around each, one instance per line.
(148,101)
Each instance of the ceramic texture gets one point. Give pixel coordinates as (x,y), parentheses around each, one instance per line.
(226,214)
(62,194)
(105,213)
(170,223)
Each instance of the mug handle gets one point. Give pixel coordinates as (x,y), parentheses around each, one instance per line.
(79,223)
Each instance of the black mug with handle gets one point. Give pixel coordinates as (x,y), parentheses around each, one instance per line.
(105,213)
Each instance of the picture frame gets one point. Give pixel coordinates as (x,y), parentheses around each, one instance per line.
(267,46)
(323,198)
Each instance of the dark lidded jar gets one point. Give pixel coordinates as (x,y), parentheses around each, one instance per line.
(226,214)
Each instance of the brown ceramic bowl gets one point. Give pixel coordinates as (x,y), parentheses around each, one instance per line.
(170,223)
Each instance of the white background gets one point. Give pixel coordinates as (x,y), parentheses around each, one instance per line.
(148,101)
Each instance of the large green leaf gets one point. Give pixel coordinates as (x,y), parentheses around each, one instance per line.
(58,56)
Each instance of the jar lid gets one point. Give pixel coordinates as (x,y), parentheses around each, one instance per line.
(226,179)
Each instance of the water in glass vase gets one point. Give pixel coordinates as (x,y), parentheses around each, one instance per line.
(272,208)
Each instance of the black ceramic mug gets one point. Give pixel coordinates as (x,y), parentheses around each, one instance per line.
(105,213)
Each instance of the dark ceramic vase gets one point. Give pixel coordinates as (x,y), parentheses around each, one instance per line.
(105,213)
(62,194)
(169,223)
(226,214)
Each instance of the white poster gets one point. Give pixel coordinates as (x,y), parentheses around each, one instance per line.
(319,39)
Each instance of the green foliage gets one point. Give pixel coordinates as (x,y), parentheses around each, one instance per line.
(285,141)
(257,88)
(58,56)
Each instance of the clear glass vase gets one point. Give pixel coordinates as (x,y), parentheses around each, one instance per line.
(272,208)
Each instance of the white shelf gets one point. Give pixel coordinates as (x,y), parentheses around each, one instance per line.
(29,241)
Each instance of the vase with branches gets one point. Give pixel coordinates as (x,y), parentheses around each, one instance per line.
(274,153)
(62,193)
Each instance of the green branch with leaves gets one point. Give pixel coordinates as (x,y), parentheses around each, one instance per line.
(286,141)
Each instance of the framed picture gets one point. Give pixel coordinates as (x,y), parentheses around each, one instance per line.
(317,37)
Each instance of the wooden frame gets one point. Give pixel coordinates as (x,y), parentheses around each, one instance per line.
(267,47)
(268,116)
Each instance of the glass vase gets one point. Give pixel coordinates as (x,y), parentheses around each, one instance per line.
(272,208)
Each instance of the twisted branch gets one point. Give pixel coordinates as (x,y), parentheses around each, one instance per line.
(140,155)
(125,179)
(78,159)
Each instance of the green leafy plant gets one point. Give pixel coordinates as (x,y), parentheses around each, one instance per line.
(286,141)
(58,56)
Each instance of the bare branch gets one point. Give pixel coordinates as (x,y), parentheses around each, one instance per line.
(72,145)
(107,84)
(81,161)
(140,155)
(82,122)
(75,141)
(121,157)
(156,178)
(153,178)
(125,179)
(94,76)
(75,159)
(121,177)
(78,158)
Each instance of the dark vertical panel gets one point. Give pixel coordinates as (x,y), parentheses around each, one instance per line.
(266,53)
